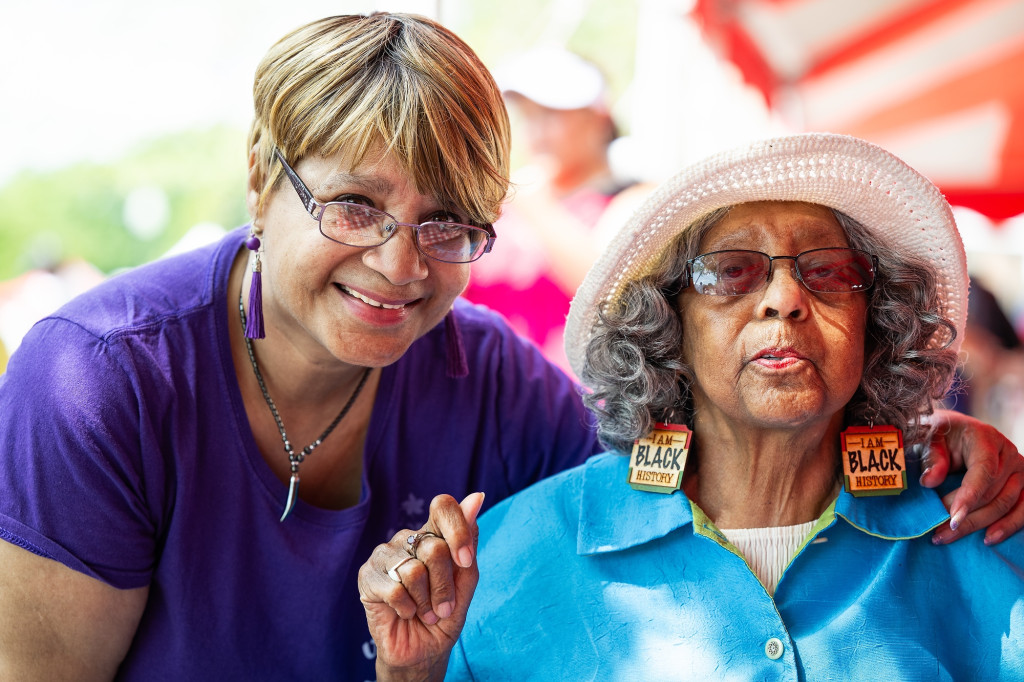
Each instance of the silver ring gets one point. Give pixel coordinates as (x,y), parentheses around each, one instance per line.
(413,541)
(393,571)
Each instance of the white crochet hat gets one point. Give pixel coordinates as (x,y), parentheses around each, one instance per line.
(902,208)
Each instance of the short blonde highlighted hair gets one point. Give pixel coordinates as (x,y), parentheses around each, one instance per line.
(349,82)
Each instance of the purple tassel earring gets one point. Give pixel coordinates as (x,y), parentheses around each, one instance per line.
(254,324)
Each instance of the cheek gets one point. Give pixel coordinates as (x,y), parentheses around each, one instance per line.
(846,336)
(445,282)
(454,283)
(707,335)
(299,259)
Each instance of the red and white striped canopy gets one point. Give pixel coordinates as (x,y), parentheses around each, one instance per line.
(938,82)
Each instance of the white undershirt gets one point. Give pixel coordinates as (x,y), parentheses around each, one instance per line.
(769,550)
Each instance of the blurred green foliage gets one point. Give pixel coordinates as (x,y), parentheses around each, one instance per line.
(78,211)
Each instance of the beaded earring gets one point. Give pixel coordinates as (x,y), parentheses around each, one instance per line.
(254,325)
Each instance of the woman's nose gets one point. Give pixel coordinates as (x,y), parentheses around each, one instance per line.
(785,295)
(398,259)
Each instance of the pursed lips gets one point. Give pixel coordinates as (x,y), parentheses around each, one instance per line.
(776,357)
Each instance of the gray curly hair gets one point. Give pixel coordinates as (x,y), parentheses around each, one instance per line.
(636,376)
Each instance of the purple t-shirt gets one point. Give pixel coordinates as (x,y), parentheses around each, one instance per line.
(127,455)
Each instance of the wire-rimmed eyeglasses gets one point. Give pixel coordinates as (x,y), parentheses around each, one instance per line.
(364,226)
(739,272)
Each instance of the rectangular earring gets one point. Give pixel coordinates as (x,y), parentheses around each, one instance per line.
(873,460)
(657,461)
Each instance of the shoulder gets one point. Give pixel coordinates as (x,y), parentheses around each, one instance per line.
(485,328)
(497,359)
(546,516)
(150,294)
(531,607)
(127,333)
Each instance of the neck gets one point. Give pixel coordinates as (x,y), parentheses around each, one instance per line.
(747,478)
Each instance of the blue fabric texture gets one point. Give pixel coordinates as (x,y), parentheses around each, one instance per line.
(128,456)
(584,578)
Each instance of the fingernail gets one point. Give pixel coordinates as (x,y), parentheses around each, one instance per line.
(924,475)
(429,617)
(471,505)
(957,519)
(465,557)
(995,538)
(938,539)
(444,609)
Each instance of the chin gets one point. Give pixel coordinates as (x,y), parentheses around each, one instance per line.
(372,357)
(796,417)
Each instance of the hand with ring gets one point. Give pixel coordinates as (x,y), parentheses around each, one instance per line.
(416,588)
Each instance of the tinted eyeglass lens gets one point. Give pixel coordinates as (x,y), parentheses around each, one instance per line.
(354,224)
(836,270)
(735,273)
(451,242)
(729,273)
(358,225)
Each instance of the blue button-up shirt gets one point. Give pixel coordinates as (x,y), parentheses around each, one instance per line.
(583,577)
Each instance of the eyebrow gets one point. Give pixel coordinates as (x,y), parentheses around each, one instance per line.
(368,183)
(738,238)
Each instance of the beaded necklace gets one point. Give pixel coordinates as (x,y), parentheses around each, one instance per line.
(294,458)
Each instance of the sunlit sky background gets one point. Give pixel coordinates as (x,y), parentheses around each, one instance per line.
(86,79)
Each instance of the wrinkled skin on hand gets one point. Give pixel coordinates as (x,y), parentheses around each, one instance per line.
(991,495)
(416,622)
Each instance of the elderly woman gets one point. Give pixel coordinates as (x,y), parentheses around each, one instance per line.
(763,343)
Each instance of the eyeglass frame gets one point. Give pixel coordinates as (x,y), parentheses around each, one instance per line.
(688,274)
(311,205)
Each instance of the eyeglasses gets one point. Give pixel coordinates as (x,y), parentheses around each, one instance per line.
(363,226)
(735,273)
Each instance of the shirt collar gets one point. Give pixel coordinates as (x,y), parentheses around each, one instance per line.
(910,514)
(614,516)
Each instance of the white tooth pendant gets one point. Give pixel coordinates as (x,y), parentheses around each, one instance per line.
(293,492)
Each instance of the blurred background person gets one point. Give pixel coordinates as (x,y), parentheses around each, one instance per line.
(566,194)
(992,369)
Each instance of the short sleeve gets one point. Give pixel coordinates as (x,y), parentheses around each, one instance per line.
(72,482)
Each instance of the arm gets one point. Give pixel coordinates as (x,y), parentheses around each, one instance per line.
(992,492)
(59,624)
(69,492)
(415,622)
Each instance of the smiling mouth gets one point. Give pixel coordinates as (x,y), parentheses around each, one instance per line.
(370,301)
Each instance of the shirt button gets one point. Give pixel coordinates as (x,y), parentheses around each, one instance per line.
(773,648)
